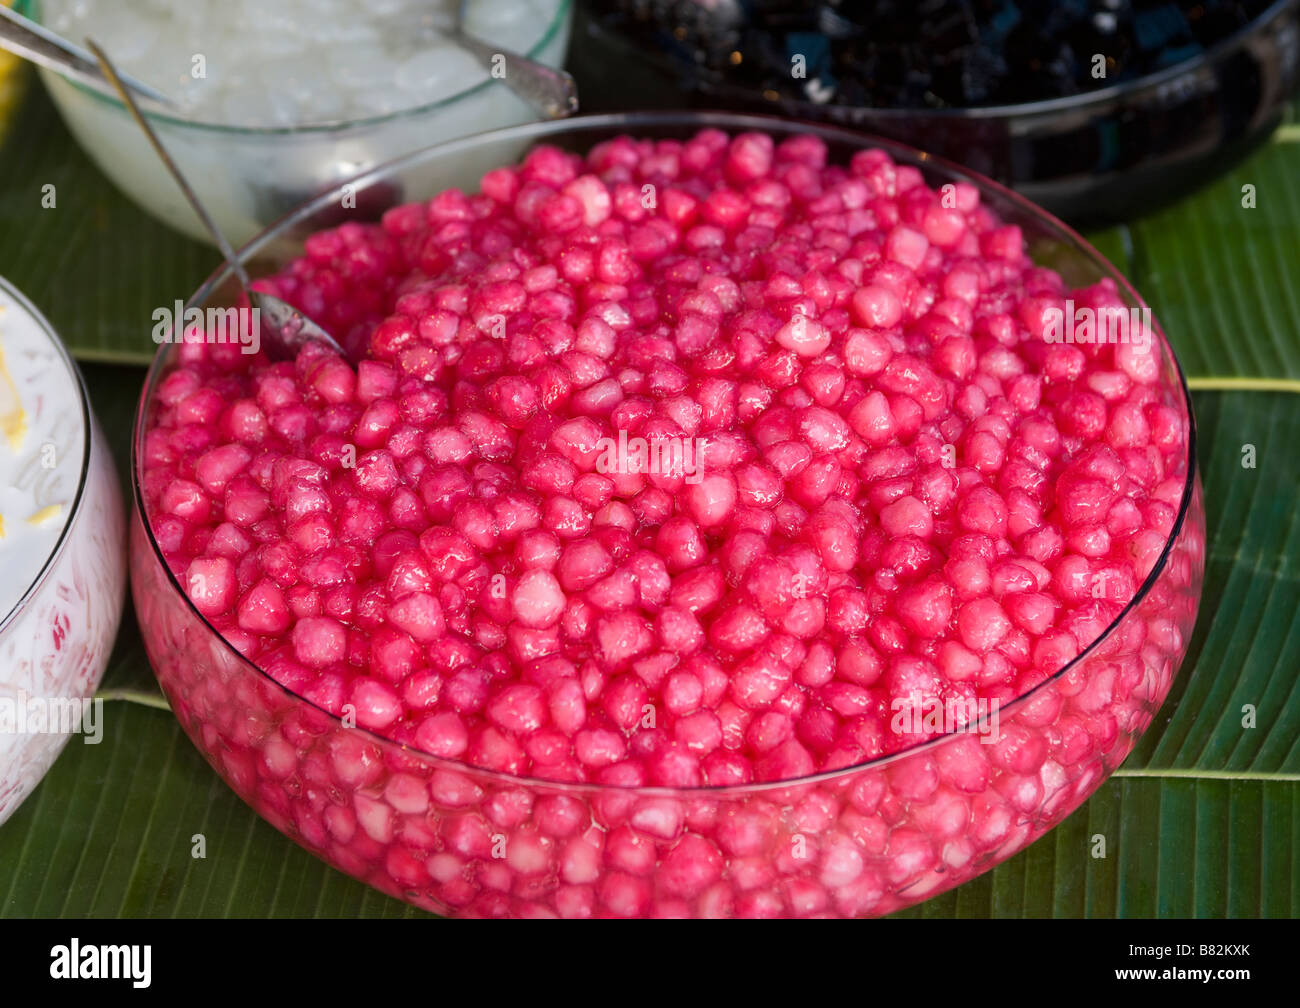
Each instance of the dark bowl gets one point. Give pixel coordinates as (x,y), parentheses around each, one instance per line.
(1091,158)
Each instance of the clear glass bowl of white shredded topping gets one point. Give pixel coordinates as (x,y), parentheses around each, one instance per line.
(278,102)
(42,443)
(61,551)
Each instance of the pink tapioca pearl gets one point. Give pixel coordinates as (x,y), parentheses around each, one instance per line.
(750,872)
(451,789)
(690,867)
(759,905)
(911,855)
(743,831)
(842,862)
(519,709)
(907,516)
(958,663)
(558,815)
(805,897)
(915,779)
(718,902)
(712,500)
(749,156)
(576,902)
(374,817)
(442,734)
(538,600)
(866,352)
(982,624)
(963,762)
(319,641)
(210,585)
(945,815)
(1024,794)
(662,819)
(623,895)
(420,615)
(528,853)
(805,336)
(701,733)
(407,794)
(675,764)
(185,500)
(377,705)
(581,859)
(1032,611)
(877,306)
(926,609)
(628,851)
(788,761)
(862,896)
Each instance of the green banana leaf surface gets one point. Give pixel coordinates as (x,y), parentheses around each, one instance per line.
(1202,820)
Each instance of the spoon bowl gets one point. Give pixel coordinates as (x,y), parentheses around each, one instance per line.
(549,91)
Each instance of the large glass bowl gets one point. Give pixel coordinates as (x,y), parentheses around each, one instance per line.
(56,639)
(248,178)
(855,842)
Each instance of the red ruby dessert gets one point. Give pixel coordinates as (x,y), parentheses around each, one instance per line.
(684,465)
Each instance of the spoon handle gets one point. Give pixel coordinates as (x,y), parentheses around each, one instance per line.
(115,79)
(289,328)
(551,92)
(27,39)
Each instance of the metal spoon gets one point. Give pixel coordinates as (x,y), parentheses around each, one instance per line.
(35,42)
(288,329)
(551,92)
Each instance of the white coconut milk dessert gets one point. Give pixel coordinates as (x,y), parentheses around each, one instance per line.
(42,447)
(310,61)
(281,101)
(62,553)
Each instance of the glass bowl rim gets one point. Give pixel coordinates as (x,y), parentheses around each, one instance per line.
(539,132)
(83,475)
(1087,101)
(157,114)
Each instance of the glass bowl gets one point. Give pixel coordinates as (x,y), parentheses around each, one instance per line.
(1098,157)
(247,178)
(861,841)
(55,640)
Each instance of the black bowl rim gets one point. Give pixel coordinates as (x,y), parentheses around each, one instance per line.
(629,122)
